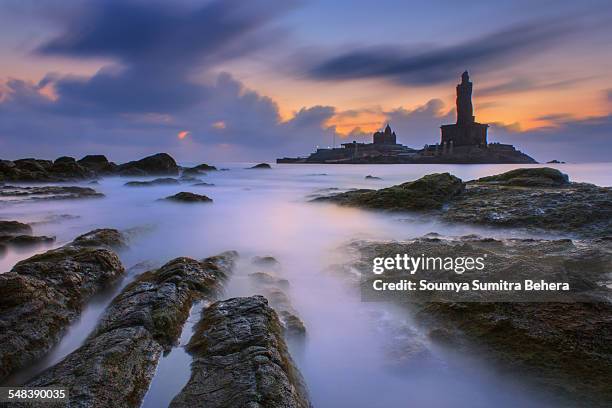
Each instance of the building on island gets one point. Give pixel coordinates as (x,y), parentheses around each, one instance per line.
(462,142)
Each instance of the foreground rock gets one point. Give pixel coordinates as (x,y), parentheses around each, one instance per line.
(34,170)
(187,197)
(48,193)
(159,164)
(427,193)
(538,198)
(42,295)
(115,365)
(166,181)
(241,360)
(102,237)
(563,346)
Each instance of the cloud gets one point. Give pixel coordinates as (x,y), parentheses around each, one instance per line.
(438,65)
(518,85)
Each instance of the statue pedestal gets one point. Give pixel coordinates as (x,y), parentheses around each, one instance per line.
(472,134)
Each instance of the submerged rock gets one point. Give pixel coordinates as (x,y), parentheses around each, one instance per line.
(102,237)
(241,360)
(430,192)
(261,166)
(157,182)
(187,197)
(43,294)
(265,261)
(14,228)
(24,240)
(48,192)
(157,164)
(199,169)
(370,177)
(116,364)
(564,345)
(203,184)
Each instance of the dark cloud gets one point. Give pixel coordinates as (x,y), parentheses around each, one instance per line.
(432,66)
(158,47)
(517,85)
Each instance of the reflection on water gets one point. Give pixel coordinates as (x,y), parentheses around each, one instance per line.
(346,360)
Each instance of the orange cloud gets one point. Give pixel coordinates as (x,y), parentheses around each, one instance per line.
(183,134)
(219,125)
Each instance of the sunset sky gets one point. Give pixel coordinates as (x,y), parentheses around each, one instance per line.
(254,80)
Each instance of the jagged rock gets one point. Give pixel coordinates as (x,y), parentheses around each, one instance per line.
(157,164)
(115,365)
(261,166)
(565,346)
(241,360)
(156,182)
(102,237)
(430,192)
(537,177)
(186,197)
(293,326)
(49,192)
(43,294)
(14,228)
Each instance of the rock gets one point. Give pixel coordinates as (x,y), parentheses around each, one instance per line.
(186,197)
(579,209)
(261,166)
(203,184)
(264,278)
(65,160)
(49,192)
(265,261)
(43,294)
(199,169)
(241,360)
(103,237)
(536,177)
(430,192)
(166,181)
(98,163)
(116,364)
(555,162)
(24,240)
(293,326)
(14,228)
(158,164)
(370,177)
(189,179)
(563,345)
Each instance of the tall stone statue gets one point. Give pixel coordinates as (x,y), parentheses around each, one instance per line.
(465,112)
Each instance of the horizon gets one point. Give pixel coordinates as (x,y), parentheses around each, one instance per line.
(233,82)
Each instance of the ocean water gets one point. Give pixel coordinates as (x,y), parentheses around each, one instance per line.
(355,354)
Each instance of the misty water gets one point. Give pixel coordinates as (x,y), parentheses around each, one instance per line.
(349,357)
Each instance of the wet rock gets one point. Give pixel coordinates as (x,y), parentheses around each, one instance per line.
(563,345)
(102,237)
(187,197)
(579,209)
(49,192)
(157,164)
(21,241)
(14,228)
(43,294)
(537,177)
(241,360)
(430,192)
(265,261)
(293,326)
(261,166)
(116,364)
(165,181)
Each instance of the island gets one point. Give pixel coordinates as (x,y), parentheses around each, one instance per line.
(463,142)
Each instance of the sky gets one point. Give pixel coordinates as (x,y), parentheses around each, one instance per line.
(229,80)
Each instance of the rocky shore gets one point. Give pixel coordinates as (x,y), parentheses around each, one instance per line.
(115,365)
(563,347)
(538,199)
(241,360)
(42,295)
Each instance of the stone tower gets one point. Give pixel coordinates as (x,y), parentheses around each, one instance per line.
(466,132)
